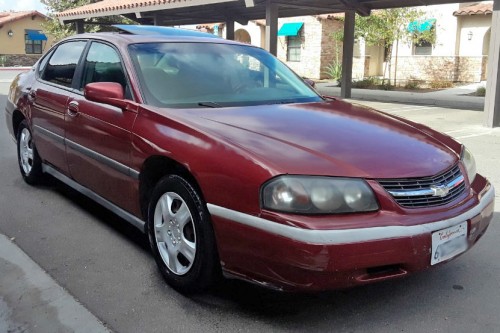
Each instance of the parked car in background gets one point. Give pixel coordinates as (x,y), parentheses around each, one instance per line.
(232,164)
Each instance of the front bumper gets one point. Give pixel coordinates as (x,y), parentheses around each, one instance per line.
(289,258)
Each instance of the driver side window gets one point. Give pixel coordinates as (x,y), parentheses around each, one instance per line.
(103,64)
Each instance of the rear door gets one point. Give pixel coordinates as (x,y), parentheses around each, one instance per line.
(49,96)
(98,136)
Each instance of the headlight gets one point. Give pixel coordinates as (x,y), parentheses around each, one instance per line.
(318,195)
(469,164)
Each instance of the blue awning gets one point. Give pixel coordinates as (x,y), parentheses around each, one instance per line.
(421,25)
(290,29)
(35,35)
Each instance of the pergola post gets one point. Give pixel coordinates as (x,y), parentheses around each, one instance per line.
(79,27)
(230,29)
(347,54)
(272,27)
(492,100)
(156,19)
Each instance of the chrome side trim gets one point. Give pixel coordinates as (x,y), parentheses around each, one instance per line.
(51,135)
(335,237)
(452,184)
(103,159)
(90,153)
(136,222)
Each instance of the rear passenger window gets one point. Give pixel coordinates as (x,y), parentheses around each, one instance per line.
(103,65)
(62,65)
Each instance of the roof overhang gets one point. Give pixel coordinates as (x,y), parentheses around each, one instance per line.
(181,12)
(477,9)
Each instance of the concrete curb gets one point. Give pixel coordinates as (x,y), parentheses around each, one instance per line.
(14,68)
(31,301)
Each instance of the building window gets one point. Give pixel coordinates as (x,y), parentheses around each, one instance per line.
(32,46)
(422,47)
(294,46)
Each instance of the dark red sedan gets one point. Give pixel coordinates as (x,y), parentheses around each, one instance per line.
(232,164)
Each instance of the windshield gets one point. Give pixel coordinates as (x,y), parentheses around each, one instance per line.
(187,75)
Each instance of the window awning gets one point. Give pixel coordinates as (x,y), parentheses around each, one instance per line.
(290,29)
(35,35)
(421,25)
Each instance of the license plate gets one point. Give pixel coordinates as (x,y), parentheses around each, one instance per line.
(448,243)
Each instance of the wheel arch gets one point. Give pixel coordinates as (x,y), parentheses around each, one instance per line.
(153,169)
(17,118)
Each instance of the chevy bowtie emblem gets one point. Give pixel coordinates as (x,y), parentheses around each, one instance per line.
(440,190)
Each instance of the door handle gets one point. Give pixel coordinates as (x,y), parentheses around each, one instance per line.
(73,109)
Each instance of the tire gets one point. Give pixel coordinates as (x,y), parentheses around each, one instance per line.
(181,236)
(28,159)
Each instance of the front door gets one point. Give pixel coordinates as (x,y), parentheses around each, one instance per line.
(98,136)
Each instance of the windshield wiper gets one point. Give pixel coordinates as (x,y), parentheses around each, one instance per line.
(210,104)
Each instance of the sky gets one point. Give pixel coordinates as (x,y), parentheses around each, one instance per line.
(21,5)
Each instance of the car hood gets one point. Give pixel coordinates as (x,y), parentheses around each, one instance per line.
(331,138)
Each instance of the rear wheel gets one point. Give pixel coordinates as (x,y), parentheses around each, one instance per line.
(30,163)
(181,235)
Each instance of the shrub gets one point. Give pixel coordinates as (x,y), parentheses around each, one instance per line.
(481,91)
(386,86)
(3,61)
(334,70)
(412,84)
(441,84)
(372,82)
(366,83)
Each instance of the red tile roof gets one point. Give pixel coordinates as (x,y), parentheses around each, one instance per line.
(478,9)
(116,5)
(7,17)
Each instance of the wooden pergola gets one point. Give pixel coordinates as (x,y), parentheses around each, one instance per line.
(184,12)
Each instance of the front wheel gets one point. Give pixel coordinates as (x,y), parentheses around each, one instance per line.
(30,163)
(181,235)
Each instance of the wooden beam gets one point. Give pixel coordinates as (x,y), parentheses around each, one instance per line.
(329,8)
(79,27)
(272,27)
(360,8)
(347,54)
(230,29)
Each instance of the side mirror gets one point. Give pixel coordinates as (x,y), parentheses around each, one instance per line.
(106,92)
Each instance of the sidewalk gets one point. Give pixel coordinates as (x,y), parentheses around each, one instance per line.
(7,74)
(455,98)
(31,301)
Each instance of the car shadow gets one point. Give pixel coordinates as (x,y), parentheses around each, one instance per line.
(97,211)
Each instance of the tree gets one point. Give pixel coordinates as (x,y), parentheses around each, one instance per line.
(389,26)
(60,31)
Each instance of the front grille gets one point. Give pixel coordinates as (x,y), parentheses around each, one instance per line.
(427,191)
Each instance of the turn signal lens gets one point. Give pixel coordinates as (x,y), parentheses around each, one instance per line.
(469,163)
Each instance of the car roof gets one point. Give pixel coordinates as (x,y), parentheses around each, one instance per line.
(130,34)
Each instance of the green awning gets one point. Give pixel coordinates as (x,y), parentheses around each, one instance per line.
(290,29)
(421,25)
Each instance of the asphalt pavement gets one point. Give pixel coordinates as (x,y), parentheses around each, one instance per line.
(101,273)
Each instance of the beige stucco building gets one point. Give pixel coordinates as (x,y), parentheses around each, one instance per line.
(459,54)
(22,40)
